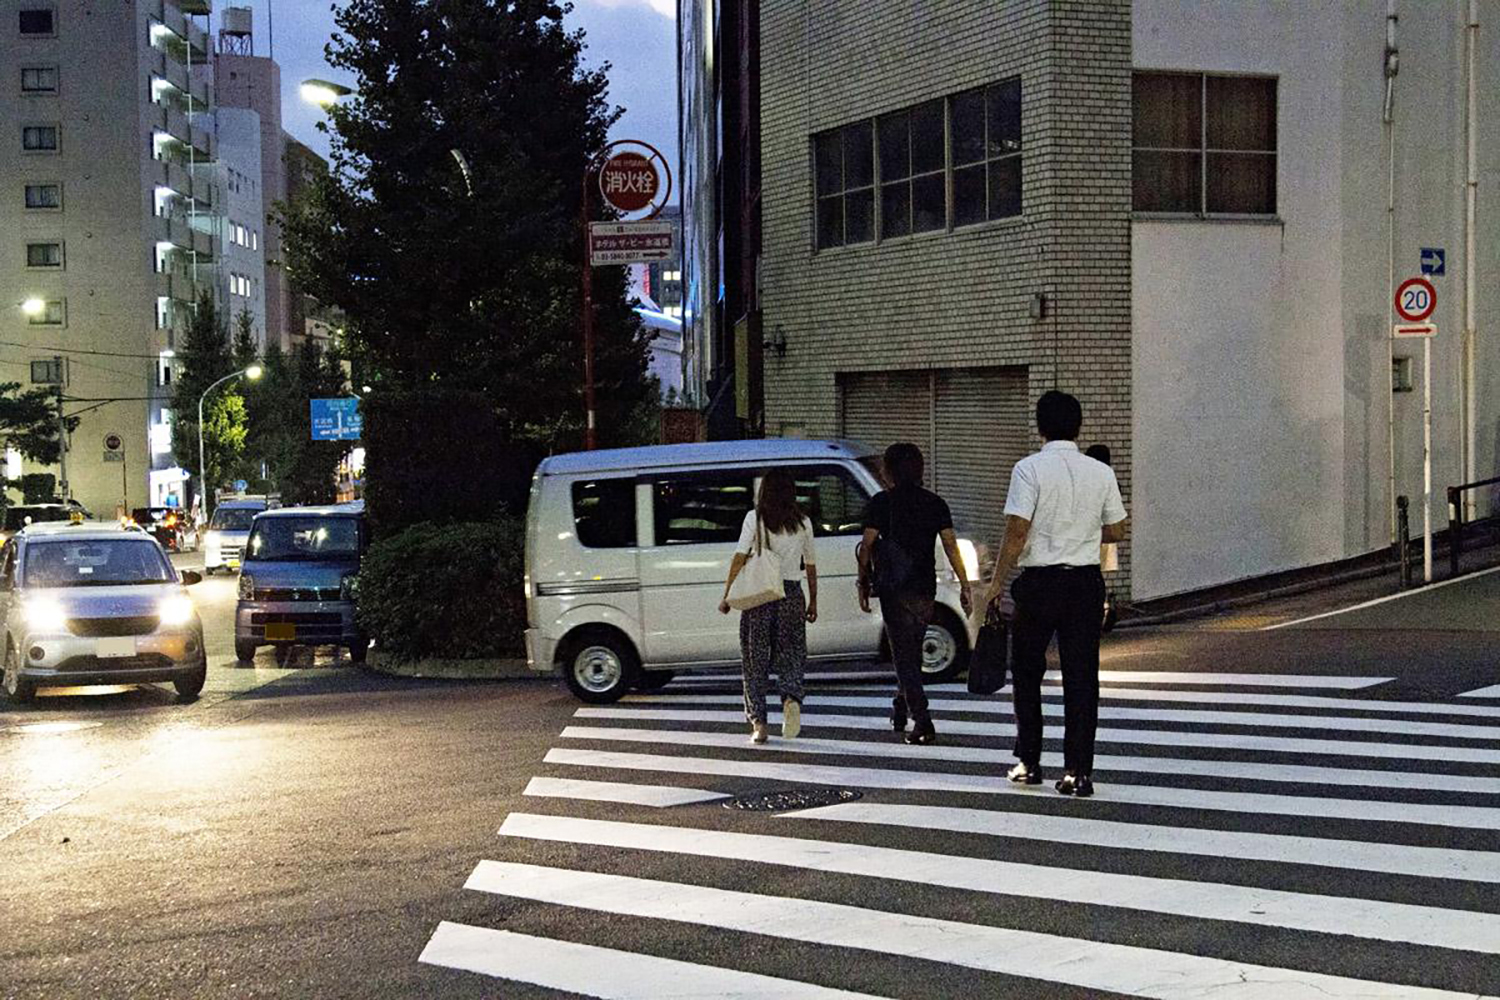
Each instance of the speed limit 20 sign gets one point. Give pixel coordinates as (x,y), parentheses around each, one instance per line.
(1415,299)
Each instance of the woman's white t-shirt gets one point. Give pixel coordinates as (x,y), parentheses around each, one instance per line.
(793,549)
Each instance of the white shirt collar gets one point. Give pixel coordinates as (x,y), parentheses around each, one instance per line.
(1060,446)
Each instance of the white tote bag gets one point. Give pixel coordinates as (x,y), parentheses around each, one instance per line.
(759,581)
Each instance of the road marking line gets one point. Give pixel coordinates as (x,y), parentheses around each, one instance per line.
(1390,859)
(1493,691)
(1328,681)
(1401,727)
(1289,773)
(1462,930)
(659,796)
(1131,737)
(604,972)
(1382,600)
(1101,966)
(1425,814)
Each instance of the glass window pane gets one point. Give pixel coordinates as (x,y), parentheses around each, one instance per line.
(859,216)
(928,204)
(1166,182)
(1168,110)
(895,210)
(1004,100)
(36,22)
(1242,183)
(927,137)
(827,152)
(968,128)
(832,500)
(895,147)
(859,156)
(1005,187)
(1241,113)
(968,195)
(604,513)
(694,509)
(831,221)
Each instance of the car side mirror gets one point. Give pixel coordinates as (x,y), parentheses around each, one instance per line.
(190,577)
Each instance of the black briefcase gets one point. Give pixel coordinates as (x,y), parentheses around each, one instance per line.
(991,656)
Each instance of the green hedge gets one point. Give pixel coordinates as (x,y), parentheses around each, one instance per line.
(451,590)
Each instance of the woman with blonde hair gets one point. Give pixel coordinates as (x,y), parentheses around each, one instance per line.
(773,635)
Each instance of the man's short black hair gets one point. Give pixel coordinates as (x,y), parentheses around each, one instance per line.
(903,463)
(1058,416)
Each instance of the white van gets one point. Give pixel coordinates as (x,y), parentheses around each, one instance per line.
(627,551)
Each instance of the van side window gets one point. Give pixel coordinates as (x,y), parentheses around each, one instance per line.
(832,499)
(698,507)
(604,513)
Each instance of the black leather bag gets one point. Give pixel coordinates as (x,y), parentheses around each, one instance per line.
(990,659)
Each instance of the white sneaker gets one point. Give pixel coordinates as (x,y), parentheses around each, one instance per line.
(791,719)
(757,732)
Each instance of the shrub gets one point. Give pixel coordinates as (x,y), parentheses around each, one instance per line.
(450,591)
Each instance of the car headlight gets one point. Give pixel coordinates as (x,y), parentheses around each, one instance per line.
(176,610)
(247,587)
(46,614)
(349,587)
(970,556)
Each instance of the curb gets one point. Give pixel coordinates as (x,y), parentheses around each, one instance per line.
(1245,600)
(437,668)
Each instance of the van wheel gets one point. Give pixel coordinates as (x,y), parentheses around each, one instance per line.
(945,648)
(599,667)
(654,680)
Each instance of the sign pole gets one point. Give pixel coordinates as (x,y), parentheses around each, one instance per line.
(590,435)
(1427,460)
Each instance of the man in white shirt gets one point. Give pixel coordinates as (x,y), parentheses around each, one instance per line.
(1061,506)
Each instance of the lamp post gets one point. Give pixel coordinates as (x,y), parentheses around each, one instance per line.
(251,372)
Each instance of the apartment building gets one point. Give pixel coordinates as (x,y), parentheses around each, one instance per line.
(243,288)
(109,222)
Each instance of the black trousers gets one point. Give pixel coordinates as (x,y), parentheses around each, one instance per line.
(1067,602)
(907,616)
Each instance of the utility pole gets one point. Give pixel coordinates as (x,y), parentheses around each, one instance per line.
(62,430)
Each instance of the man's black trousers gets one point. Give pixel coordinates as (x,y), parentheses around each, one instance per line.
(1068,602)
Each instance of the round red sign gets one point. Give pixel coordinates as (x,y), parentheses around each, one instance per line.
(628,181)
(1415,299)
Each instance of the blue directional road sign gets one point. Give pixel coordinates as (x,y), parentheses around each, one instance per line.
(336,419)
(1433,260)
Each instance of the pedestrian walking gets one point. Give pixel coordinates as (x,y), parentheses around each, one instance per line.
(773,634)
(1061,506)
(898,564)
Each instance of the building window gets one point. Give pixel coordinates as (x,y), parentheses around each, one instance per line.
(38,21)
(985,138)
(913,198)
(44,255)
(1204,145)
(164,369)
(846,185)
(53,313)
(161,433)
(44,196)
(39,138)
(39,80)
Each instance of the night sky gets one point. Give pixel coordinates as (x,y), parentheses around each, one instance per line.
(637,36)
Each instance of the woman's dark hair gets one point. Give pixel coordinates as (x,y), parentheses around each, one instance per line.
(1058,416)
(903,464)
(1098,452)
(777,504)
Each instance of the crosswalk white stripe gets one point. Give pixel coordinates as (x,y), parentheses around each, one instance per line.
(605,972)
(1493,691)
(1113,968)
(1325,681)
(1291,773)
(1354,855)
(1462,930)
(1400,727)
(659,796)
(1469,817)
(1132,737)
(1217,698)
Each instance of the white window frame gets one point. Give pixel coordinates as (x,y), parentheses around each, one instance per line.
(52,150)
(40,91)
(36,8)
(44,208)
(62,256)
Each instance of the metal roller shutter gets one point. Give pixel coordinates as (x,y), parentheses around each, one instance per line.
(983,428)
(881,408)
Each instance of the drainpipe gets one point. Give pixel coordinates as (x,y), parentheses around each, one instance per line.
(1388,116)
(1471,323)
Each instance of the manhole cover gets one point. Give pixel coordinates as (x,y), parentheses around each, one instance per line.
(789,800)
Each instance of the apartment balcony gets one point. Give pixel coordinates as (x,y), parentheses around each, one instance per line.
(200,8)
(182,236)
(178,283)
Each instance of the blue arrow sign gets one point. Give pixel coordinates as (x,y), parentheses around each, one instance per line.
(1433,260)
(336,419)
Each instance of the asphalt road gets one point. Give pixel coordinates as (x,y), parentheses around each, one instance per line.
(1281,814)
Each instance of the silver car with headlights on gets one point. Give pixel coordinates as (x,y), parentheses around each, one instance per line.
(92,603)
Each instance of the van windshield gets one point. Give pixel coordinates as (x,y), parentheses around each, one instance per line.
(233,518)
(303,539)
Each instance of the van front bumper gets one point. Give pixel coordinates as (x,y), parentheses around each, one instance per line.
(301,623)
(541,651)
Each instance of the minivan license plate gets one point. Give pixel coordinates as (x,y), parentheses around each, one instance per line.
(281,631)
(114,649)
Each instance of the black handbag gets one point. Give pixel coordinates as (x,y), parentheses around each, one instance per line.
(991,656)
(892,565)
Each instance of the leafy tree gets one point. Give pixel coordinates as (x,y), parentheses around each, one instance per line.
(204,357)
(246,349)
(309,475)
(469,279)
(28,422)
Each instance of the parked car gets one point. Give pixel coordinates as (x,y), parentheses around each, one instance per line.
(224,540)
(170,526)
(297,581)
(96,604)
(627,551)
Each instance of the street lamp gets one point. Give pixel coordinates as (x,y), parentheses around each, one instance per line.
(323,92)
(34,306)
(252,372)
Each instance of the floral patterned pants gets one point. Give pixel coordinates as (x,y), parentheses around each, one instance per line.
(773,639)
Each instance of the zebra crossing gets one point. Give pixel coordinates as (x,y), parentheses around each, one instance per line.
(1253,836)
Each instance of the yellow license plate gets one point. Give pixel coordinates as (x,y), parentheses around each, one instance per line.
(281,632)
